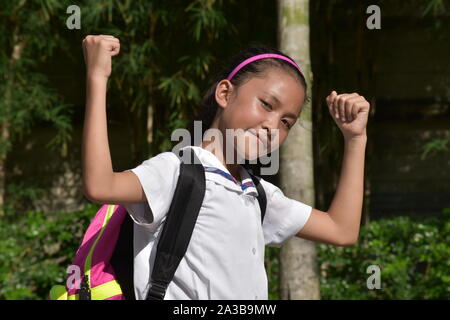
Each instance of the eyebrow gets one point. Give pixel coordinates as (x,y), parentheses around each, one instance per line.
(290,115)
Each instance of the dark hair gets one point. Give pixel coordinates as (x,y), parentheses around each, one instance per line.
(258,68)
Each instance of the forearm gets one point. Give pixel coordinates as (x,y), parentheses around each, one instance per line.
(346,207)
(96,157)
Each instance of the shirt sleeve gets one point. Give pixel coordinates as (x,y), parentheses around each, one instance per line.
(158,177)
(284,217)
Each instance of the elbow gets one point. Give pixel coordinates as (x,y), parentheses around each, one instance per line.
(347,237)
(347,241)
(91,194)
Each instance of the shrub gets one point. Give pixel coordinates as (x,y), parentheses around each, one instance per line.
(413,257)
(36,249)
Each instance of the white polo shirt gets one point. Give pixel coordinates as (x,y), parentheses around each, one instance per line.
(225,256)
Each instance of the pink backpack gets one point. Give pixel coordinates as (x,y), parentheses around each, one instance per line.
(92,274)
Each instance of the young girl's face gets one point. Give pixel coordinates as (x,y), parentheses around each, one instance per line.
(272,102)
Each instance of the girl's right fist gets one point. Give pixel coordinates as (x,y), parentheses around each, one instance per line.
(97,51)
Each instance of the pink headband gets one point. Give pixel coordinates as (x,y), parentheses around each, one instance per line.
(261,56)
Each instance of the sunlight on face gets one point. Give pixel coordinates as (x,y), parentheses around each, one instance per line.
(265,108)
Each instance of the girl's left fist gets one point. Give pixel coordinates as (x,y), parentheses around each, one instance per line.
(350,111)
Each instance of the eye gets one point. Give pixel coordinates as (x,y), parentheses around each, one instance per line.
(287,124)
(266,104)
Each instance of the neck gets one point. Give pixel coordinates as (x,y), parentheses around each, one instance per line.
(219,152)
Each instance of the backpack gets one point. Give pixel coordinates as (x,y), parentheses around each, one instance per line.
(103,264)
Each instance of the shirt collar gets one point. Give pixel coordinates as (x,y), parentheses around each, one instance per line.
(208,159)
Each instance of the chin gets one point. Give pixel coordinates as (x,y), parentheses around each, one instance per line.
(248,154)
(251,148)
(248,146)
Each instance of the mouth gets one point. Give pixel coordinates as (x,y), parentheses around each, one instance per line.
(260,137)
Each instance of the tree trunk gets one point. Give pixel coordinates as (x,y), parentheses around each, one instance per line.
(5,138)
(5,134)
(298,267)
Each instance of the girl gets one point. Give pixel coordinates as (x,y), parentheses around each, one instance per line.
(259,94)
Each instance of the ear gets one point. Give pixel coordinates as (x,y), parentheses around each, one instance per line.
(224,90)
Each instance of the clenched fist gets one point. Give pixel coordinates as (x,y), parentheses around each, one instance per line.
(350,112)
(97,51)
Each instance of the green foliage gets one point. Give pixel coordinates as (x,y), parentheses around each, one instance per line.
(272,264)
(20,197)
(413,257)
(36,248)
(159,62)
(203,16)
(434,146)
(436,6)
(28,38)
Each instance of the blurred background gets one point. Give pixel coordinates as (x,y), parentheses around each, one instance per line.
(170,50)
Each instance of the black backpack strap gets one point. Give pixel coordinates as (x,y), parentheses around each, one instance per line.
(179,224)
(262,199)
(122,260)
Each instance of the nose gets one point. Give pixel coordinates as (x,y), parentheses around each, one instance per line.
(271,123)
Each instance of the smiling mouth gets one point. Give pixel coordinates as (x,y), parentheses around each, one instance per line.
(260,138)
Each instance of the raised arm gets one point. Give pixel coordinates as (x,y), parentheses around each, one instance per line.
(100,183)
(340,224)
